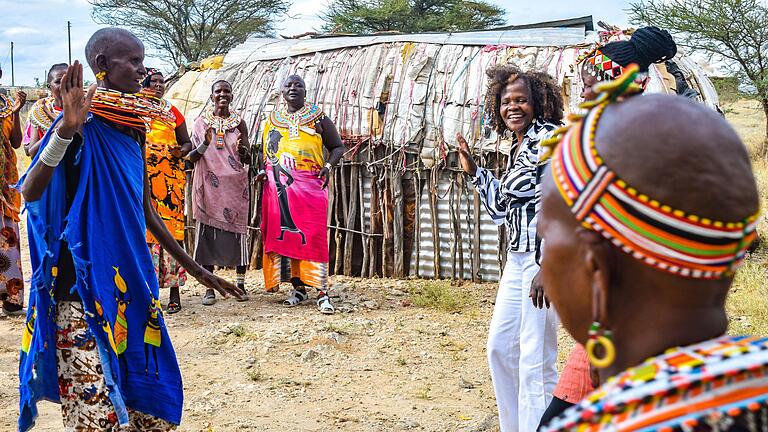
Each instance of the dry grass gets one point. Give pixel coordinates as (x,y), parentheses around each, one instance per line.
(440,295)
(748,302)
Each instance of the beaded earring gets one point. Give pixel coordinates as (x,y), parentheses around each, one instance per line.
(101,75)
(603,339)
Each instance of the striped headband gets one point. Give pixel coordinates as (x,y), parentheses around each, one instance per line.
(657,234)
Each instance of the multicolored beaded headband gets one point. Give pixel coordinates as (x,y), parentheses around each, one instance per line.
(657,234)
(600,65)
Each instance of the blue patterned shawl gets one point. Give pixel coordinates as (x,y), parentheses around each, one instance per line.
(116,281)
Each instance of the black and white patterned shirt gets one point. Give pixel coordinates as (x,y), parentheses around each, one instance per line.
(515,198)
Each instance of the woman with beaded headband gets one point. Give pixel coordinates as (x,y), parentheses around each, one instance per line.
(522,340)
(93,285)
(220,188)
(295,198)
(44,111)
(646,46)
(603,64)
(640,256)
(11,279)
(167,144)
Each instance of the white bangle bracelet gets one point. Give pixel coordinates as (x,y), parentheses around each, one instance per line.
(54,152)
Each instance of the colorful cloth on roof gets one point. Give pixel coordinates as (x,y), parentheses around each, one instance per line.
(167,178)
(655,233)
(10,198)
(294,203)
(104,229)
(709,385)
(220,190)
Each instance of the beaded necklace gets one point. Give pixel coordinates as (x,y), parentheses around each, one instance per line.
(6,106)
(309,114)
(221,125)
(133,110)
(680,390)
(43,113)
(650,231)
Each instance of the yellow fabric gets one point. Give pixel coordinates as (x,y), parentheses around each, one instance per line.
(166,178)
(306,149)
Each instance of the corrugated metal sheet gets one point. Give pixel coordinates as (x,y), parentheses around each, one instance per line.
(464,209)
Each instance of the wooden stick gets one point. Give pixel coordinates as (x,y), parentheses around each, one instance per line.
(435,229)
(452,226)
(351,218)
(476,237)
(398,214)
(339,222)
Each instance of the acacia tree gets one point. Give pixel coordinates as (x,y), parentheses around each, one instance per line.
(410,16)
(734,30)
(185,31)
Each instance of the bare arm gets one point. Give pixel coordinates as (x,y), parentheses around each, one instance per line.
(157,227)
(33,145)
(183,140)
(18,104)
(243,147)
(332,142)
(76,104)
(193,155)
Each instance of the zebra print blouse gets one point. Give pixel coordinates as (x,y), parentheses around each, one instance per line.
(515,198)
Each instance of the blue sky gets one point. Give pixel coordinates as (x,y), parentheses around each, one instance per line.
(39,28)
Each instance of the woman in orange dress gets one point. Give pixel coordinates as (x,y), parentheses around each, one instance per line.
(11,279)
(167,144)
(44,111)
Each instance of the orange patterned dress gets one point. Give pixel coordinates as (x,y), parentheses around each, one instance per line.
(167,180)
(11,279)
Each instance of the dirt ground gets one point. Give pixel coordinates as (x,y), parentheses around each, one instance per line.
(382,365)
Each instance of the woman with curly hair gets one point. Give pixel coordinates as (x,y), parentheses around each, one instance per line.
(522,340)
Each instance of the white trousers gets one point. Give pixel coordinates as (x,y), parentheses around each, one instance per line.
(522,348)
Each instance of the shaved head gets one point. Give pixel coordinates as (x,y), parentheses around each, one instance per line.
(690,158)
(104,40)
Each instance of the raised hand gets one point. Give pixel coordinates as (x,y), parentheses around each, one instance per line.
(18,104)
(75,101)
(465,157)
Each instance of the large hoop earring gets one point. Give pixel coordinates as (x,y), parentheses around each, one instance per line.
(101,75)
(604,340)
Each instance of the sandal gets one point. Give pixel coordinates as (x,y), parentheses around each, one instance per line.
(173,308)
(245,296)
(209,298)
(295,299)
(324,305)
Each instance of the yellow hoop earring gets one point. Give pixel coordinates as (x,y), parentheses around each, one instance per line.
(101,75)
(596,339)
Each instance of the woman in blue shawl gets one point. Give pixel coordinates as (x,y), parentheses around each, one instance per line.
(95,338)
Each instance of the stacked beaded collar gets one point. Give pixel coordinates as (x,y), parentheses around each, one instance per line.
(308,115)
(657,234)
(43,113)
(221,125)
(133,110)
